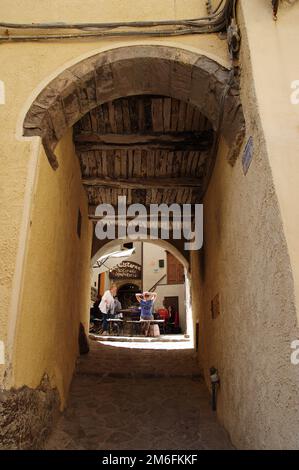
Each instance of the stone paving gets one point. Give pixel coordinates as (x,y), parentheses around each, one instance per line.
(131,398)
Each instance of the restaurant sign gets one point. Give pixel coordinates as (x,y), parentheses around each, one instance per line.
(126,270)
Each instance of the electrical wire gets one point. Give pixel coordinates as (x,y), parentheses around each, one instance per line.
(61,25)
(216,22)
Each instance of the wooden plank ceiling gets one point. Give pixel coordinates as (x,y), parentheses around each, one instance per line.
(152,149)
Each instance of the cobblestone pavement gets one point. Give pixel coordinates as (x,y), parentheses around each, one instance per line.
(131,398)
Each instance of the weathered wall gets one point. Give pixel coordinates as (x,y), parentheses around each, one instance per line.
(270,61)
(196,298)
(152,273)
(56,287)
(250,341)
(27,416)
(246,260)
(250,254)
(26,69)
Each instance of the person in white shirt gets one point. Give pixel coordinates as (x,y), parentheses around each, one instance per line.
(107,304)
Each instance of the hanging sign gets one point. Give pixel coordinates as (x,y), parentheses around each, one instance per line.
(126,270)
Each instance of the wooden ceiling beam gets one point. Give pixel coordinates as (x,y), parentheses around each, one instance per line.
(199,141)
(132,138)
(149,217)
(117,223)
(148,220)
(143,183)
(171,147)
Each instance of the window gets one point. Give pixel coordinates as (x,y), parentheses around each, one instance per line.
(128,246)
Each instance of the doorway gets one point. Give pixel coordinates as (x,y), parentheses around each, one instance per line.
(127,294)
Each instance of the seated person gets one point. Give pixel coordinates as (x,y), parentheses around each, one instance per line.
(114,313)
(171,313)
(95,316)
(117,308)
(95,311)
(173,321)
(163,313)
(146,301)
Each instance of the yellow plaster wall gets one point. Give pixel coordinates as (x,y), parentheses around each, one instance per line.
(250,254)
(250,341)
(56,290)
(25,69)
(270,56)
(245,260)
(196,289)
(101,10)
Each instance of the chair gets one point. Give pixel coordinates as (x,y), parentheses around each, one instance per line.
(97,325)
(115,322)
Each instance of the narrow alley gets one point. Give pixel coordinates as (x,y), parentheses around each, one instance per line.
(132,398)
(149,226)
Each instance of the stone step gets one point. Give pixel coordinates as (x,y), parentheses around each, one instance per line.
(107,360)
(141,339)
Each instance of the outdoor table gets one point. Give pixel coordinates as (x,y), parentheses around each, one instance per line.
(119,323)
(134,324)
(129,314)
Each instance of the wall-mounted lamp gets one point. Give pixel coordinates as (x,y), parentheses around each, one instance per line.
(215,381)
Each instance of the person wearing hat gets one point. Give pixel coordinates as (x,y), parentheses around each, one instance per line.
(146,301)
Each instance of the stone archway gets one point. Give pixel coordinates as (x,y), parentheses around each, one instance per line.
(177,251)
(109,245)
(137,70)
(128,71)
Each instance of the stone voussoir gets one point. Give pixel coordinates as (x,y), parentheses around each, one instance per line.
(126,71)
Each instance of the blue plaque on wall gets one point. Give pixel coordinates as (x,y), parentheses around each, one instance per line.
(247,155)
